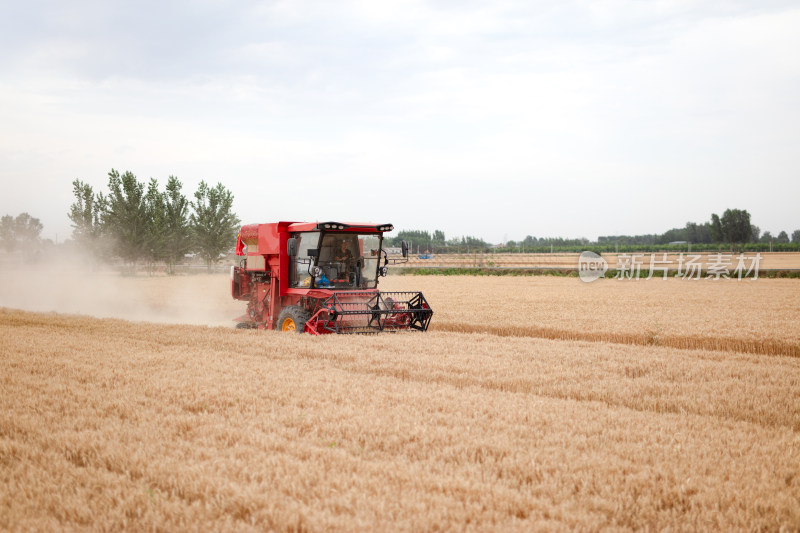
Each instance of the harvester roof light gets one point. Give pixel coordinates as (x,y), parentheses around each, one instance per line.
(332,225)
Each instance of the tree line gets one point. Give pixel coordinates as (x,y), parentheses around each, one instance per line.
(139,222)
(733,227)
(423,241)
(19,233)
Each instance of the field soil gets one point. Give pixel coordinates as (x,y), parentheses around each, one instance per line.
(532,404)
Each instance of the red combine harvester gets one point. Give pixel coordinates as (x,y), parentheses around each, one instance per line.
(321,277)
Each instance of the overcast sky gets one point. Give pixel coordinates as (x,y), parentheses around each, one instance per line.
(496,119)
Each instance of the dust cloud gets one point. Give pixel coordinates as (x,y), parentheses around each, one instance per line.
(78,288)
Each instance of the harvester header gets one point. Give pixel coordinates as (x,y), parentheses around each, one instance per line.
(321,277)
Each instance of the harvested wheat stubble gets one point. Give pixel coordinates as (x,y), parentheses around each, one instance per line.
(761,316)
(112,425)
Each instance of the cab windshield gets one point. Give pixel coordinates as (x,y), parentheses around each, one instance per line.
(344,260)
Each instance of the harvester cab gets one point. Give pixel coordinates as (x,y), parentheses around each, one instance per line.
(321,278)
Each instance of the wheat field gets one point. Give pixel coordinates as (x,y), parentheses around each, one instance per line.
(756,316)
(532,404)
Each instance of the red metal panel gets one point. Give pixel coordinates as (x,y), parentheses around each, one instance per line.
(239,245)
(268,240)
(302,226)
(283,257)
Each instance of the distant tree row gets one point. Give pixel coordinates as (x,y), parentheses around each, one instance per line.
(733,227)
(423,241)
(136,221)
(531,241)
(19,233)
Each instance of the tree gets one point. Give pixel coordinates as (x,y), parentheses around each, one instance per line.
(673,235)
(27,228)
(85,215)
(155,246)
(213,222)
(419,238)
(766,237)
(178,232)
(692,232)
(755,233)
(125,215)
(782,237)
(736,225)
(715,229)
(21,232)
(733,227)
(796,236)
(698,233)
(7,234)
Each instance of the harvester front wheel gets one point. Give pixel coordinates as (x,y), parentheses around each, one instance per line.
(293,318)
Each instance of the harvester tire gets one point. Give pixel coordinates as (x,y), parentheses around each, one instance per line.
(293,318)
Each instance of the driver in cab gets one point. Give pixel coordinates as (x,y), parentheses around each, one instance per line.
(344,255)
